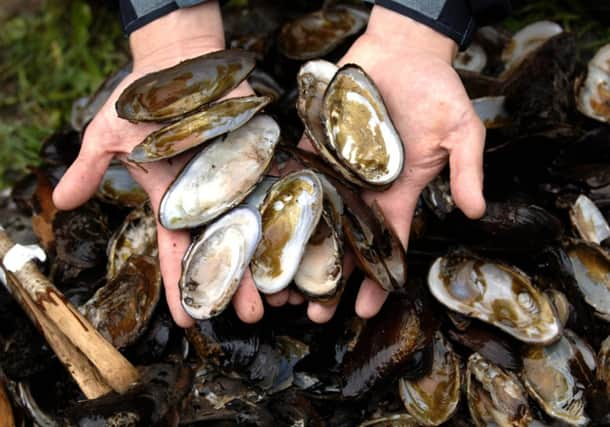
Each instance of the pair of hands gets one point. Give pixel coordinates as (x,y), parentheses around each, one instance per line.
(411,65)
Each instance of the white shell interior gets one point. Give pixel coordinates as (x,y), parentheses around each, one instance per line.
(359,129)
(221,175)
(589,221)
(593,99)
(473,58)
(305,217)
(492,111)
(215,263)
(485,290)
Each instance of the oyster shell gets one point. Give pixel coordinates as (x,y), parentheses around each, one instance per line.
(137,236)
(209,185)
(591,266)
(527,40)
(432,399)
(175,91)
(290,214)
(551,381)
(121,310)
(215,262)
(473,58)
(495,293)
(319,33)
(589,221)
(119,188)
(214,120)
(593,98)
(359,129)
(495,396)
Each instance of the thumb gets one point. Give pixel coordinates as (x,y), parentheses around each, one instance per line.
(83,177)
(466,167)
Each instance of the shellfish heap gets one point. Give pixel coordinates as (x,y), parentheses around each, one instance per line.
(502,321)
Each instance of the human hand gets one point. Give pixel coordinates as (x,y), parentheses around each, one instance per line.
(160,44)
(411,65)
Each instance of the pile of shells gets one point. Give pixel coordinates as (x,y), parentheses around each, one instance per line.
(500,321)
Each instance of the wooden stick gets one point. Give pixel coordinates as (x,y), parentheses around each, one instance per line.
(84,373)
(116,371)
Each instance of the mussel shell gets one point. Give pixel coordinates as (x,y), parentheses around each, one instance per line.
(319,33)
(495,293)
(198,128)
(290,214)
(589,221)
(603,360)
(184,87)
(321,269)
(359,129)
(491,111)
(591,266)
(137,236)
(119,188)
(215,262)
(433,399)
(551,381)
(221,175)
(495,396)
(257,197)
(313,79)
(387,345)
(527,40)
(473,58)
(120,311)
(593,98)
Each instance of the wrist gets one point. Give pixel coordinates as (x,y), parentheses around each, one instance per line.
(179,35)
(404,34)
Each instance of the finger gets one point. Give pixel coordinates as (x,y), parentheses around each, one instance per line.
(82,178)
(278,299)
(172,246)
(321,313)
(247,301)
(466,166)
(370,299)
(295,298)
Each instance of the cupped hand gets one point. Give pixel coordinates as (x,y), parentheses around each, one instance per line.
(435,119)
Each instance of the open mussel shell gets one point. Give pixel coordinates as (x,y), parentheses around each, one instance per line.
(432,399)
(491,111)
(221,175)
(589,221)
(593,98)
(591,265)
(495,293)
(495,396)
(313,80)
(316,34)
(121,309)
(290,214)
(198,128)
(119,188)
(473,59)
(137,236)
(321,269)
(359,130)
(551,377)
(527,40)
(215,262)
(603,360)
(175,91)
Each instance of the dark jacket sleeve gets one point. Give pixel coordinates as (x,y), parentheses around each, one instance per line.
(457,19)
(137,13)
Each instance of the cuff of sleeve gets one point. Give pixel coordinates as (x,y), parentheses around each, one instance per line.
(454,19)
(137,13)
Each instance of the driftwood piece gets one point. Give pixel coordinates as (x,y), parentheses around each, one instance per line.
(67,331)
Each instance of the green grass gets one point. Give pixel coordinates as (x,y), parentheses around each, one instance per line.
(48,58)
(62,51)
